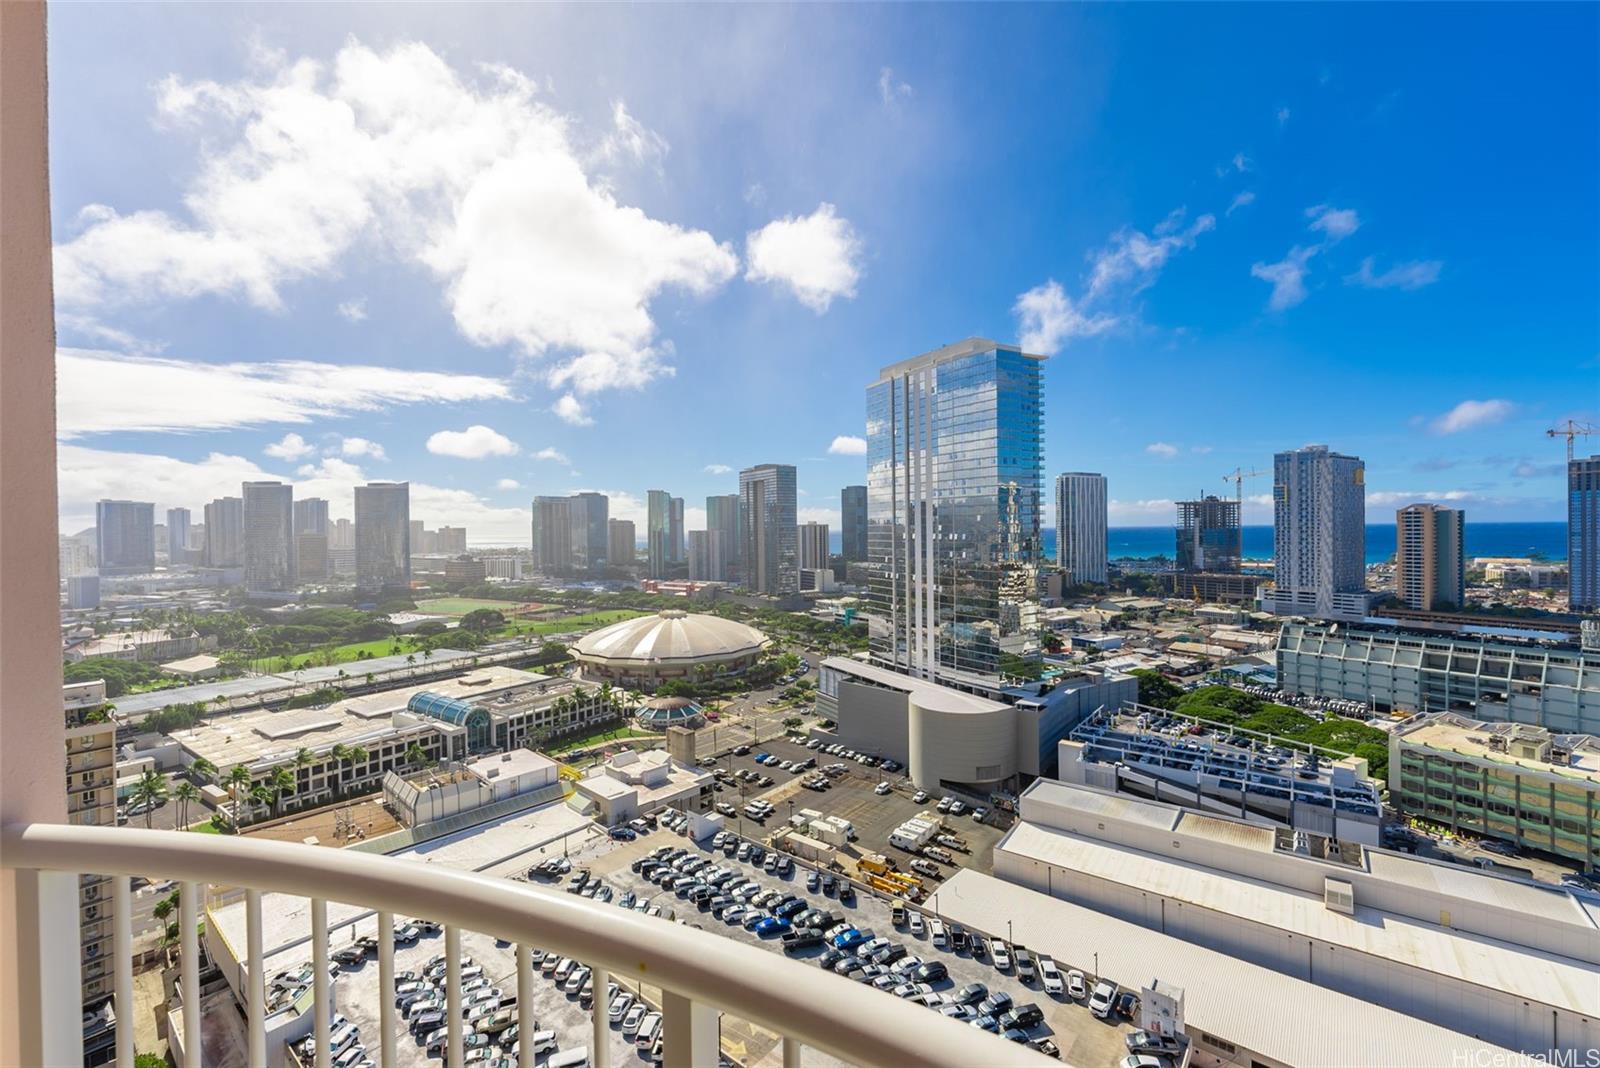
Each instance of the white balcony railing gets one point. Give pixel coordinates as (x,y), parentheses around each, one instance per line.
(699,974)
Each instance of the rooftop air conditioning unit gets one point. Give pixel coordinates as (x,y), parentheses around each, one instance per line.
(1339,895)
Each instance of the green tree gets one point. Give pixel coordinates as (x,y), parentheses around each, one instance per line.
(150,790)
(149,1060)
(185,793)
(239,784)
(281,782)
(416,756)
(202,769)
(1155,689)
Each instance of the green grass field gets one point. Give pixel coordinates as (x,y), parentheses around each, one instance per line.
(460,606)
(565,624)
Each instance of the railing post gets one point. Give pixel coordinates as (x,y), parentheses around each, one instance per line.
(189,943)
(526,1024)
(122,967)
(691,1031)
(322,1010)
(256,1001)
(49,963)
(456,1052)
(600,1051)
(386,1007)
(791,1052)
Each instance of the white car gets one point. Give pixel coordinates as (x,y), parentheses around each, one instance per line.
(957,807)
(620,1005)
(920,796)
(881,789)
(1105,993)
(945,803)
(1077,989)
(915,920)
(631,1022)
(1050,976)
(1002,955)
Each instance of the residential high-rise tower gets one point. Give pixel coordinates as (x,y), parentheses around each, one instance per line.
(1429,562)
(722,515)
(658,532)
(177,537)
(1319,535)
(590,513)
(553,528)
(268,536)
(1583,534)
(1081,525)
(225,532)
(383,535)
(125,537)
(771,536)
(853,523)
(813,545)
(622,550)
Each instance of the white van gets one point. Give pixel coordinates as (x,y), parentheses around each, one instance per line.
(569,1058)
(936,928)
(649,1028)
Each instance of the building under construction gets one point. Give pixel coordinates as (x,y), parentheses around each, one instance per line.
(1208,535)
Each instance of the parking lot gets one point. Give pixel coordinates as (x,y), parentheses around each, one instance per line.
(853,797)
(1082,1039)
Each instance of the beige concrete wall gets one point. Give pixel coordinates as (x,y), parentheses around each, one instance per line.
(32,787)
(968,747)
(873,720)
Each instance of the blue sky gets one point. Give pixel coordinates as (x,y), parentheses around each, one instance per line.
(516,250)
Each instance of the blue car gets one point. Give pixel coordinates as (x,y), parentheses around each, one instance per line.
(772,925)
(848,939)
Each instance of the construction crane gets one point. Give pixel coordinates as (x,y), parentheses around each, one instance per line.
(1569,430)
(1237,477)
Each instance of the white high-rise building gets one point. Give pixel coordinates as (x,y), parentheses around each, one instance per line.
(1081,525)
(1319,535)
(813,545)
(177,537)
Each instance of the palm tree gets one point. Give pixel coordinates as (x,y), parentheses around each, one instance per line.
(280,782)
(357,754)
(184,793)
(150,791)
(239,783)
(415,755)
(203,769)
(340,754)
(303,758)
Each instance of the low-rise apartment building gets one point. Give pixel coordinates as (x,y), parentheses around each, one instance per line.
(1510,781)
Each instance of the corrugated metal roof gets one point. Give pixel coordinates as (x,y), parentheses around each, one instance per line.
(1096,803)
(1254,1007)
(1513,894)
(1231,832)
(1517,970)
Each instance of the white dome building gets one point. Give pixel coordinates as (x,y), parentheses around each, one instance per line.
(673,644)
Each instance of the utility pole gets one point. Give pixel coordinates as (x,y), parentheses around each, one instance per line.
(1569,430)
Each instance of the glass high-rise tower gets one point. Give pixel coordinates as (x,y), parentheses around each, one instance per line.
(1583,534)
(268,536)
(383,535)
(853,522)
(658,532)
(125,537)
(722,514)
(771,535)
(955,454)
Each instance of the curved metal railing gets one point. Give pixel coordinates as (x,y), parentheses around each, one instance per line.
(795,1000)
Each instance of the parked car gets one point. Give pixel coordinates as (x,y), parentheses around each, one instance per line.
(1151,1043)
(1077,989)
(1002,956)
(1102,999)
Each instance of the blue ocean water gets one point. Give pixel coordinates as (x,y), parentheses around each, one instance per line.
(1482,539)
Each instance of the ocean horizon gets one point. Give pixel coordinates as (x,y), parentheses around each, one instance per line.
(1548,539)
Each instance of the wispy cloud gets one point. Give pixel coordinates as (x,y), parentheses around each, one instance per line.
(848,445)
(1414,274)
(1337,223)
(1047,317)
(891,90)
(552,454)
(1283,117)
(718,469)
(1161,449)
(1471,414)
(354,310)
(1288,276)
(507,484)
(103,392)
(1243,200)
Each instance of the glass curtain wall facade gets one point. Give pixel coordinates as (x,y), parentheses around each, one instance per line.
(268,536)
(125,537)
(658,532)
(225,532)
(555,529)
(853,523)
(590,513)
(955,452)
(771,534)
(383,535)
(1583,534)
(722,514)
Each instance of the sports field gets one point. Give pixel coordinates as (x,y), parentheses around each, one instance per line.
(460,606)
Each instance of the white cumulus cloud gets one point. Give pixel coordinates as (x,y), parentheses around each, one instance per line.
(1047,319)
(359,447)
(552,454)
(848,445)
(1471,414)
(291,447)
(570,409)
(102,392)
(1161,449)
(718,469)
(508,484)
(818,256)
(477,442)
(467,175)
(1337,223)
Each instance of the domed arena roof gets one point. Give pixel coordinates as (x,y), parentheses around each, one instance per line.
(670,636)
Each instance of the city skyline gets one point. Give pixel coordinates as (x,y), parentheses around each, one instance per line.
(1254,222)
